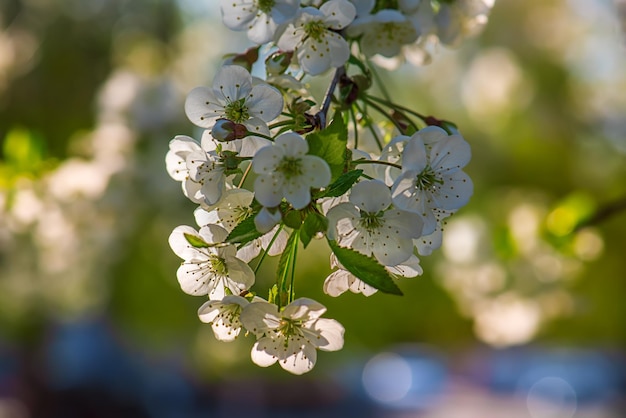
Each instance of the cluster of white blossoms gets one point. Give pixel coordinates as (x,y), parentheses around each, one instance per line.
(269,174)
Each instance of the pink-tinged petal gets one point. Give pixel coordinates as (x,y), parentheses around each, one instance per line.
(292,144)
(260,317)
(315,171)
(179,243)
(265,352)
(371,196)
(331,333)
(267,159)
(337,282)
(265,102)
(414,156)
(267,190)
(339,13)
(231,83)
(202,107)
(304,309)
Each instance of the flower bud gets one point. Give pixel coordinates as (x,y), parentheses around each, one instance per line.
(226,130)
(278,62)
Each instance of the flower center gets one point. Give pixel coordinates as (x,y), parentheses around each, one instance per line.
(289,328)
(266,5)
(427,179)
(290,167)
(315,29)
(371,221)
(218,265)
(237,111)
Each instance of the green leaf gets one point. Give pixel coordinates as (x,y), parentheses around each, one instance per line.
(293,219)
(330,145)
(244,232)
(342,184)
(197,242)
(313,223)
(366,268)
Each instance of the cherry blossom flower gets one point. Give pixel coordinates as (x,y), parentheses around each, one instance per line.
(383,33)
(432,178)
(369,224)
(286,171)
(212,269)
(260,18)
(291,337)
(234,97)
(223,316)
(312,35)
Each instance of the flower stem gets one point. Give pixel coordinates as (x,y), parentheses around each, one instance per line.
(395,106)
(256,269)
(321,116)
(294,253)
(385,114)
(390,164)
(370,127)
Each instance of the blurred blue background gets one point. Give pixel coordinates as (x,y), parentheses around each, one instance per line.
(520,314)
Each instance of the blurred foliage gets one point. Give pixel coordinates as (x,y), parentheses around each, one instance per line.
(547,133)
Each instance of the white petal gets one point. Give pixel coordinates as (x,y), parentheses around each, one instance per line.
(180,147)
(290,38)
(336,229)
(263,30)
(339,13)
(265,352)
(292,144)
(231,83)
(414,157)
(267,159)
(316,171)
(267,190)
(213,233)
(430,135)
(304,309)
(209,310)
(339,49)
(202,107)
(240,273)
(455,191)
(260,317)
(179,243)
(313,56)
(265,102)
(371,196)
(195,279)
(265,220)
(409,268)
(236,14)
(337,282)
(331,331)
(450,154)
(297,193)
(301,359)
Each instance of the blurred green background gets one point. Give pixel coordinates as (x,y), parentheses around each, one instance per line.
(91,92)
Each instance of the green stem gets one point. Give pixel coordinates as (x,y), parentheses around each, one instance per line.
(260,135)
(245,174)
(356,127)
(379,81)
(371,129)
(385,114)
(395,106)
(256,269)
(282,123)
(294,253)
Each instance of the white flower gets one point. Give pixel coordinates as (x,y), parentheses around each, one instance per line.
(212,269)
(286,171)
(292,336)
(234,207)
(431,177)
(259,17)
(234,97)
(313,38)
(383,33)
(341,280)
(197,167)
(370,225)
(223,316)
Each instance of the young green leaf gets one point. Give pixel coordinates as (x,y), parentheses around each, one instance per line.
(196,242)
(244,232)
(330,145)
(342,184)
(365,268)
(313,223)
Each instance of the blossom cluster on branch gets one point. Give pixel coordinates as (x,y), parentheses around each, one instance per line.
(274,169)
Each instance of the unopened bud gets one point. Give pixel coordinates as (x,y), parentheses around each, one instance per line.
(226,130)
(278,62)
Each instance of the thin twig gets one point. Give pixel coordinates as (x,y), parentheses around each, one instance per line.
(321,116)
